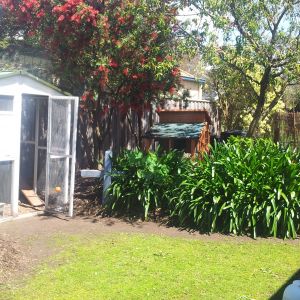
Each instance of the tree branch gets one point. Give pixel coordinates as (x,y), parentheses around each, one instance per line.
(243,73)
(240,28)
(274,102)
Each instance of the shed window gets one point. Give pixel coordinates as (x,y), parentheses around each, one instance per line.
(6,103)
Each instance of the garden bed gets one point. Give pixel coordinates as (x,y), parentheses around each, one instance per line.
(245,186)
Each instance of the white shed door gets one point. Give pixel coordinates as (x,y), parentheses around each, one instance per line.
(61,153)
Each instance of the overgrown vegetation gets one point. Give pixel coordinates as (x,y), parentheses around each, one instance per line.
(144,182)
(242,187)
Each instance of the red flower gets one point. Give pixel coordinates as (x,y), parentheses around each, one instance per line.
(61,18)
(31,33)
(121,20)
(135,76)
(126,71)
(102,68)
(113,63)
(154,35)
(175,72)
(76,18)
(172,90)
(41,14)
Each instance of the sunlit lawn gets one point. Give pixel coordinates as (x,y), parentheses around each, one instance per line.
(129,266)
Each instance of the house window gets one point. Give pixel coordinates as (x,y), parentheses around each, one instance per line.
(6,103)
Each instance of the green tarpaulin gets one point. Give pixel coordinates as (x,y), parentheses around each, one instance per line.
(175,130)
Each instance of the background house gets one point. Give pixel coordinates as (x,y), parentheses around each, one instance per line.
(193,85)
(197,99)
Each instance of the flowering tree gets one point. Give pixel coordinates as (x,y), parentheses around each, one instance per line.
(123,52)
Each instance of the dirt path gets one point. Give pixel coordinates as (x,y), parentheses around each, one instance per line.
(40,226)
(25,242)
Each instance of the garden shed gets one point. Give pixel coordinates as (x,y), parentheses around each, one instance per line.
(38,127)
(186,130)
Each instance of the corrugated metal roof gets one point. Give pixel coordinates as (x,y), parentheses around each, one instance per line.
(175,130)
(6,74)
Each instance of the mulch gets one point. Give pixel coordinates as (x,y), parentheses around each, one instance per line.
(11,257)
(87,197)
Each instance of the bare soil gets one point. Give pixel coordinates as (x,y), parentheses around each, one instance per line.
(11,257)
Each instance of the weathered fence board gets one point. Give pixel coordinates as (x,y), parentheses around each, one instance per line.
(286,128)
(123,133)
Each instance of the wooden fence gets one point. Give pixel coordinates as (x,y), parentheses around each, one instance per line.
(122,132)
(286,129)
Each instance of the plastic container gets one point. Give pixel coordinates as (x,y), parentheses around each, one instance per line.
(90,173)
(292,291)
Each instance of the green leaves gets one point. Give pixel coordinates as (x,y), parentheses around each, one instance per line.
(253,48)
(143,183)
(247,186)
(242,187)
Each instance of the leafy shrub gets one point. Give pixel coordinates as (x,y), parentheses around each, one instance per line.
(143,182)
(242,185)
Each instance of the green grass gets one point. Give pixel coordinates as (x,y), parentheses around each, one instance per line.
(130,266)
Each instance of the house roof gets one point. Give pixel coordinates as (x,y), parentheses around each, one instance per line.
(190,77)
(175,131)
(6,74)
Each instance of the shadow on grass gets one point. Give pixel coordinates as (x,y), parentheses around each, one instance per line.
(279,293)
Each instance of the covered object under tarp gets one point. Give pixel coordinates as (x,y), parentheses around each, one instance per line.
(182,130)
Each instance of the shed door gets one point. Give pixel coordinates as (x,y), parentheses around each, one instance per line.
(61,153)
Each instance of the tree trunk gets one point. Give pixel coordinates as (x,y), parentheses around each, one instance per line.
(264,85)
(255,121)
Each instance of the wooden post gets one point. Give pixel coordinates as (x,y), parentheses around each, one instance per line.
(204,139)
(170,144)
(147,144)
(193,147)
(107,174)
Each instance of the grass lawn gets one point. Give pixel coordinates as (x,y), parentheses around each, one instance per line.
(134,266)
